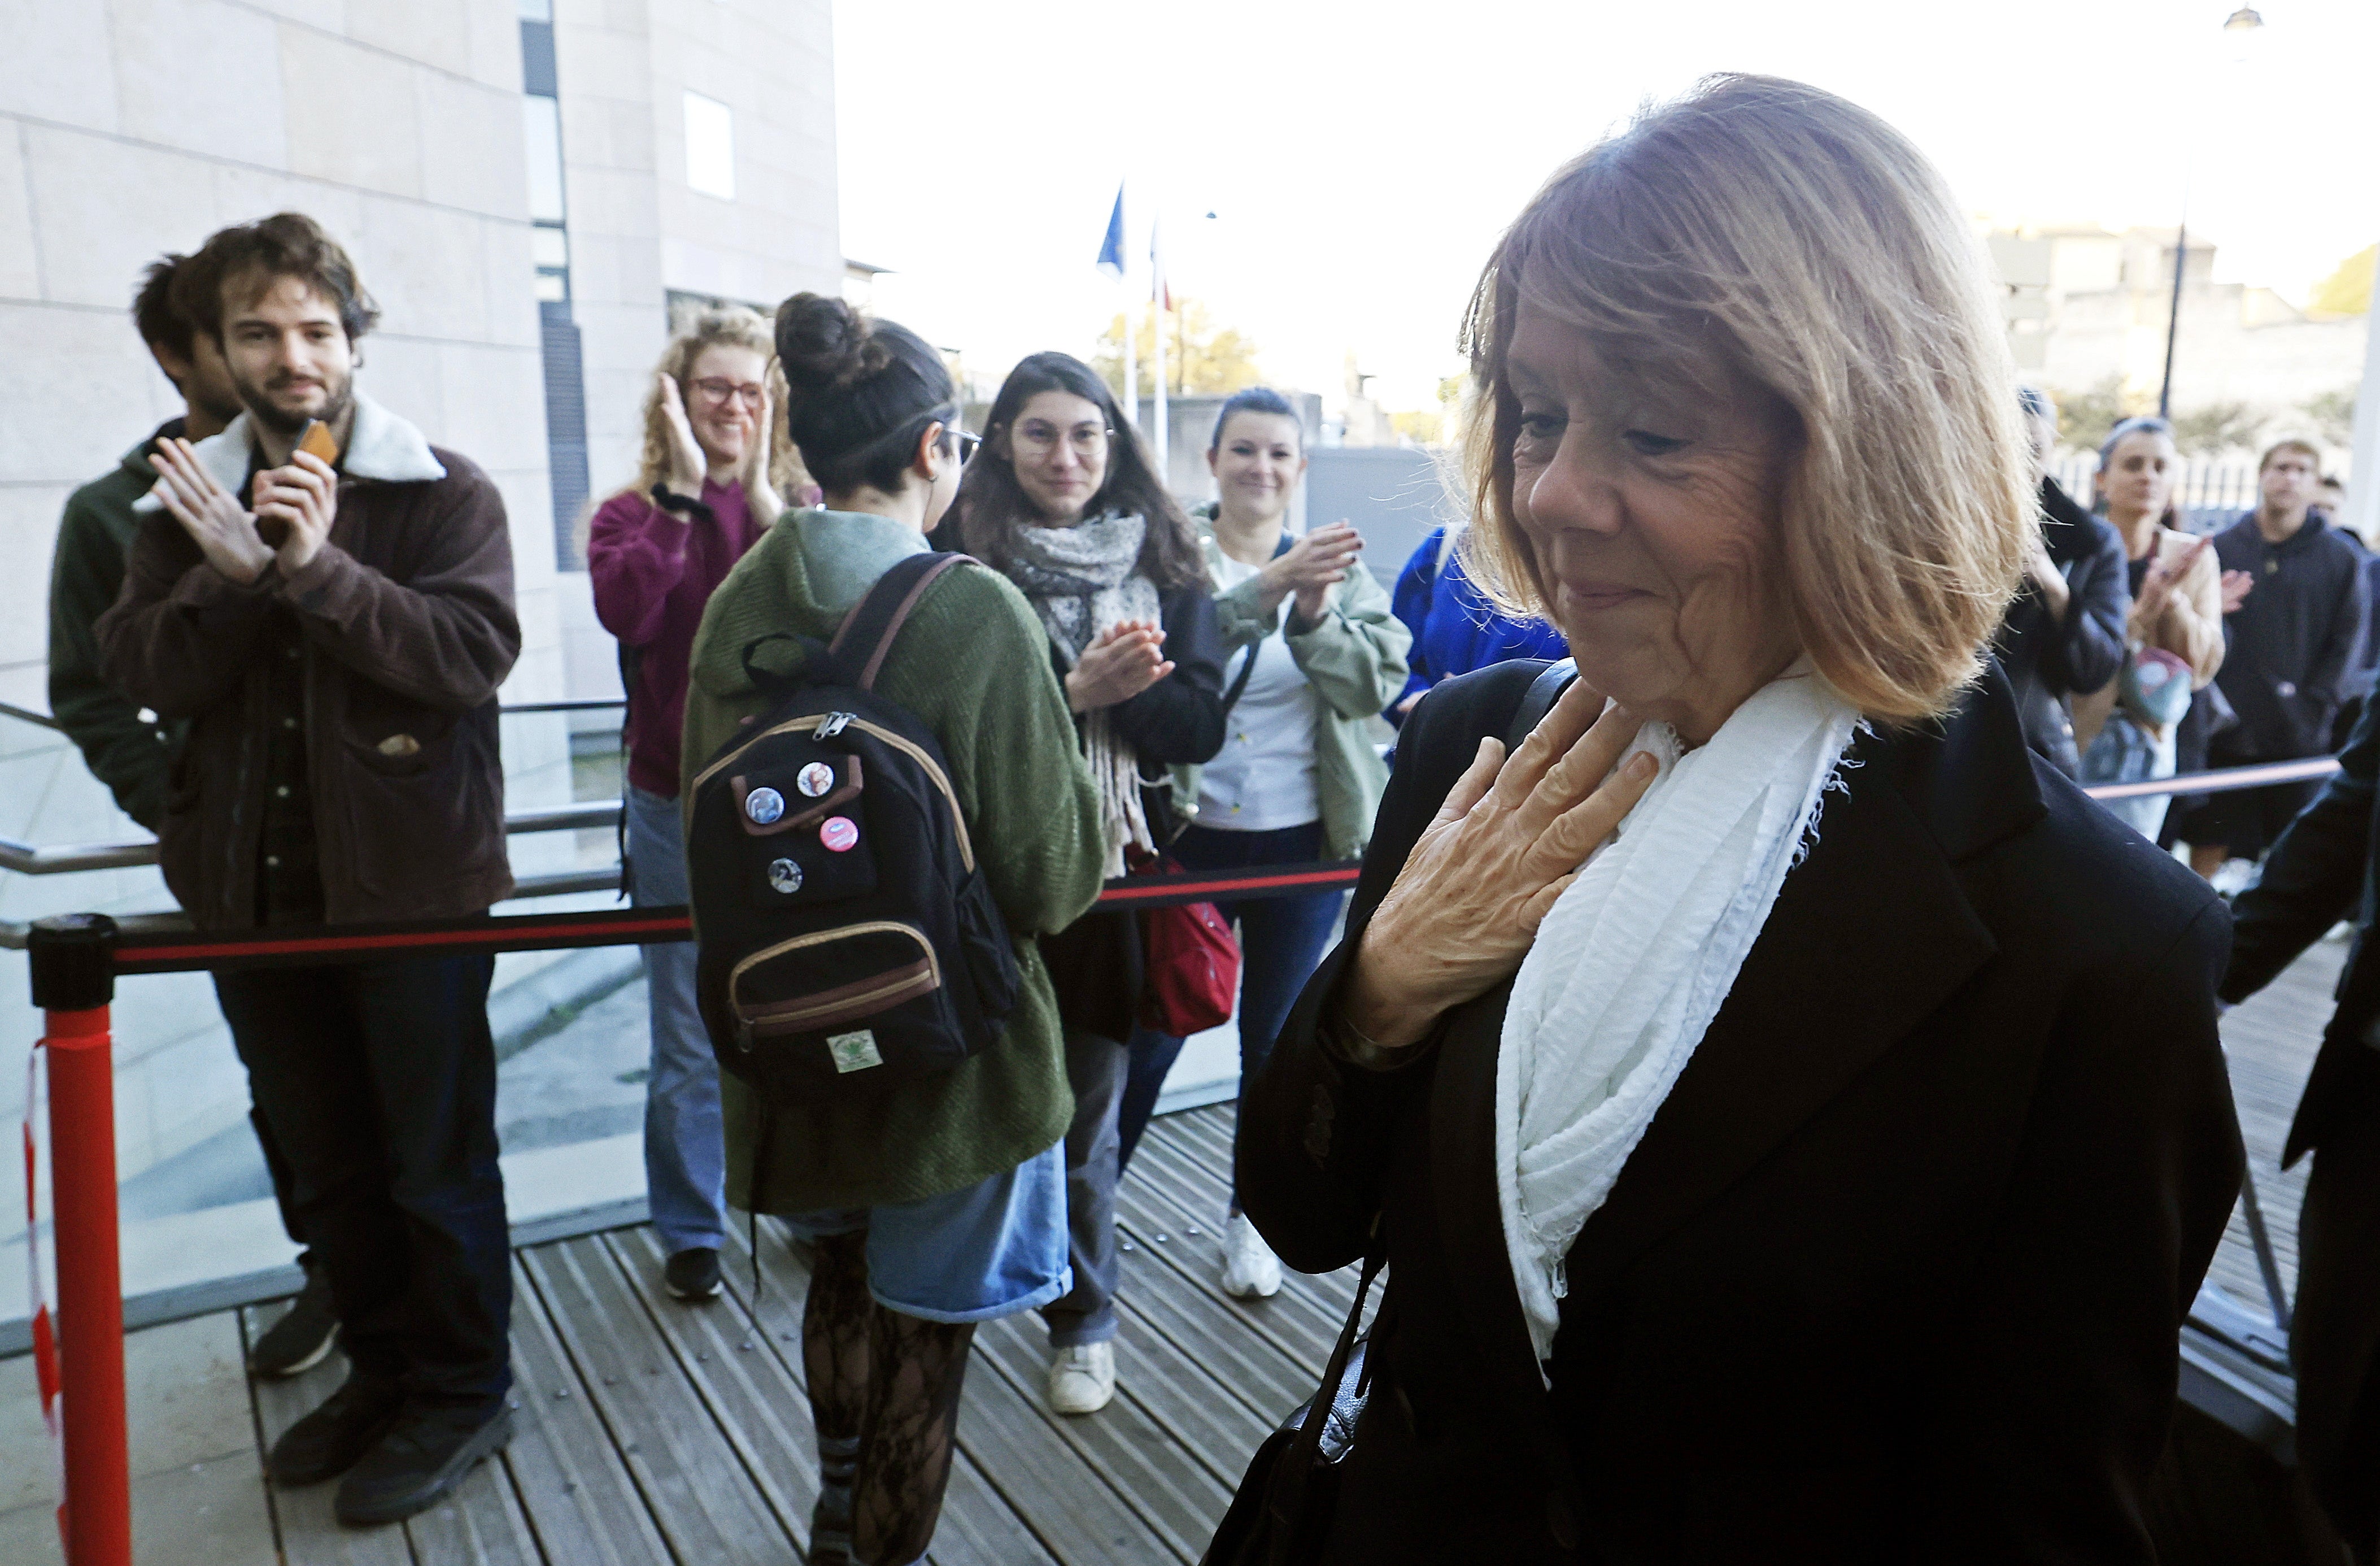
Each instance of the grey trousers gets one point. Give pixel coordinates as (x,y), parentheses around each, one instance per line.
(1095,1070)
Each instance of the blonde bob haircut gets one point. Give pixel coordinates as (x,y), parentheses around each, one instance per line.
(737,328)
(1759,233)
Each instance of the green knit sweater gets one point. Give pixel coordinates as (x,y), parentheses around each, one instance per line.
(973,665)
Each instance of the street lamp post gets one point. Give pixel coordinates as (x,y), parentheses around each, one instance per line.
(2238,29)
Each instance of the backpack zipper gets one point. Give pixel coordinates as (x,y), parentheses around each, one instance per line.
(790,1017)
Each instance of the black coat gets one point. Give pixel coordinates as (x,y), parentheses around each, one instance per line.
(2049,659)
(1898,1270)
(2327,868)
(2290,645)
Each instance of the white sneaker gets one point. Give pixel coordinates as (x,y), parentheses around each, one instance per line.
(1250,1270)
(1082,1378)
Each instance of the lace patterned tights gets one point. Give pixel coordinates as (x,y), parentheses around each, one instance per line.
(886,1384)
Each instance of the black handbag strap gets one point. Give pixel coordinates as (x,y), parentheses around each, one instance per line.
(1305,1454)
(1539,700)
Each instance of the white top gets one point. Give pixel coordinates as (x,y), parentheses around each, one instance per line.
(1263,778)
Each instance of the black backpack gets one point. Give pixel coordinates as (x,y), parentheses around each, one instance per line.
(847,941)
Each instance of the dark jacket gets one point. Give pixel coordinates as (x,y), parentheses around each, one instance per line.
(2327,868)
(407,628)
(129,754)
(1095,963)
(2048,659)
(2290,642)
(1897,1272)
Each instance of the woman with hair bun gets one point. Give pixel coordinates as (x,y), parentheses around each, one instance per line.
(1065,501)
(942,1204)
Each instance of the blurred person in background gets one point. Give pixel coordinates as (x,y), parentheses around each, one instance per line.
(2063,636)
(1318,653)
(702,496)
(942,1203)
(1065,501)
(334,636)
(1455,628)
(2129,728)
(128,748)
(2294,630)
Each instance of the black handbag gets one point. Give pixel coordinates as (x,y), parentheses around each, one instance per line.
(1281,1515)
(1283,1512)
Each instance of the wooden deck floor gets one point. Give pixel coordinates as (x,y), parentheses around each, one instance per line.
(651,1431)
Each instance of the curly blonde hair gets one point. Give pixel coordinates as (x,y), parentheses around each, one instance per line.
(1762,231)
(736,328)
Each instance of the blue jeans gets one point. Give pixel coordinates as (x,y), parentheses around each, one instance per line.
(685,1153)
(1281,939)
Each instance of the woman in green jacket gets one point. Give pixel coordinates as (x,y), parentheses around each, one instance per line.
(944,1204)
(1317,653)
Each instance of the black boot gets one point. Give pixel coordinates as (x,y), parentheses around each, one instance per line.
(301,1339)
(333,1439)
(425,1455)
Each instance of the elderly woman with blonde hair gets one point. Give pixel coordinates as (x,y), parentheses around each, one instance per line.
(1791,1114)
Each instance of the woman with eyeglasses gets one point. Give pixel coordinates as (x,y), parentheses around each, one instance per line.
(704,492)
(1065,501)
(1317,653)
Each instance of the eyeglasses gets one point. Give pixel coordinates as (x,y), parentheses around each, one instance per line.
(719,390)
(968,445)
(1041,440)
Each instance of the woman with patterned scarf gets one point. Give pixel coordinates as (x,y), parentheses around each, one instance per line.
(1064,500)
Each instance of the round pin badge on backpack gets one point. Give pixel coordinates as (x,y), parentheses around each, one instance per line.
(837,833)
(785,876)
(815,780)
(764,805)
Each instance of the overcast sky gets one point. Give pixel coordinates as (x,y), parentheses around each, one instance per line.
(1360,160)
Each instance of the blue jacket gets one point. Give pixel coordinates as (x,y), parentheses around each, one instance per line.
(1454,628)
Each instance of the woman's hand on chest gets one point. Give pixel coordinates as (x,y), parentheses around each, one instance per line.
(1508,841)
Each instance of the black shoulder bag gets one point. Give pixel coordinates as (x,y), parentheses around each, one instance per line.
(1283,1512)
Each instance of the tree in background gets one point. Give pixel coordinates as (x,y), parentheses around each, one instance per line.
(2330,418)
(1431,427)
(1200,360)
(2084,418)
(2212,429)
(2347,291)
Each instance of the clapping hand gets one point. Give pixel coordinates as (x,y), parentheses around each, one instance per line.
(2162,575)
(1311,567)
(298,503)
(223,528)
(1121,661)
(759,495)
(686,462)
(1509,840)
(2237,586)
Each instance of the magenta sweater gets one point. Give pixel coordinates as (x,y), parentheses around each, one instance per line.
(653,571)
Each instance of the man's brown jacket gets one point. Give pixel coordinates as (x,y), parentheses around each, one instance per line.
(408,628)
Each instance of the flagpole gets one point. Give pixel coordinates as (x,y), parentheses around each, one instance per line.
(1160,298)
(1131,328)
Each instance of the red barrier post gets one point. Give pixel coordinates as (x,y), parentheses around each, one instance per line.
(74,981)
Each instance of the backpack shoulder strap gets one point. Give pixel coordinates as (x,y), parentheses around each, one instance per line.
(1539,700)
(877,618)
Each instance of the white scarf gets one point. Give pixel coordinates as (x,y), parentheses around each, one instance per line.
(1081,580)
(1634,960)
